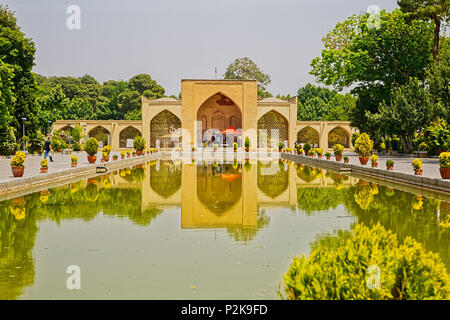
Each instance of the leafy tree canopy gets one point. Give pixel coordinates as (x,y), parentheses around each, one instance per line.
(246,69)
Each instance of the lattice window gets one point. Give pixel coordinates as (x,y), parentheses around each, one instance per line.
(162,128)
(338,136)
(276,129)
(128,133)
(101,134)
(308,135)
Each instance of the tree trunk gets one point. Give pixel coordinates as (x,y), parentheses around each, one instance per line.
(437,32)
(407,144)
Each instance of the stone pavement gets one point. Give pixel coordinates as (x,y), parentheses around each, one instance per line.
(401,164)
(33,164)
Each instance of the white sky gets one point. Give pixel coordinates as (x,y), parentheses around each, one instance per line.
(176,39)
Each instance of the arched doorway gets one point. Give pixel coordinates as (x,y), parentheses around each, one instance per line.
(272,128)
(129,133)
(101,134)
(338,136)
(308,135)
(163,128)
(219,187)
(216,115)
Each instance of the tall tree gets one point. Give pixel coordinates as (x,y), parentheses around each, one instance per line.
(374,60)
(246,69)
(436,10)
(17,51)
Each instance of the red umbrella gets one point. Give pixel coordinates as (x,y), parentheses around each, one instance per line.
(231,130)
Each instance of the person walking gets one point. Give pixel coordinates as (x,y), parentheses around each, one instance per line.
(48,149)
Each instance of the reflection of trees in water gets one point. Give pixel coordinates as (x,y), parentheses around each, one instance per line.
(167,180)
(332,241)
(272,185)
(17,236)
(405,214)
(308,174)
(246,234)
(219,187)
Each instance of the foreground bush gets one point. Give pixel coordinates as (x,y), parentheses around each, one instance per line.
(406,271)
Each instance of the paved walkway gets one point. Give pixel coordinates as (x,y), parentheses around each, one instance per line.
(401,164)
(33,164)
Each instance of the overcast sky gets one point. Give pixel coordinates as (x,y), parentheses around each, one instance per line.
(180,39)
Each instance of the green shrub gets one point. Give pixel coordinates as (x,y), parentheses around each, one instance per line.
(139,143)
(306,147)
(363,145)
(338,149)
(247,142)
(444,160)
(7,141)
(354,137)
(36,142)
(390,162)
(91,146)
(406,271)
(280,145)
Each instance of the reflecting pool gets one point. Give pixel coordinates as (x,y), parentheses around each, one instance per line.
(173,230)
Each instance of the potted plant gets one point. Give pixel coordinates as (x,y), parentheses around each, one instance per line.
(338,151)
(44,166)
(299,151)
(417,165)
(444,164)
(328,155)
(194,148)
(134,154)
(105,157)
(390,164)
(374,160)
(280,146)
(345,159)
(106,152)
(306,148)
(18,164)
(148,151)
(363,147)
(122,154)
(139,145)
(319,152)
(312,152)
(235,146)
(74,160)
(91,148)
(115,157)
(128,153)
(216,146)
(247,144)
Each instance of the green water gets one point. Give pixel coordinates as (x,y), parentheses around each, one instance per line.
(195,231)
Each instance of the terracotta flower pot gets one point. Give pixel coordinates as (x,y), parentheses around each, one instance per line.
(328,157)
(114,158)
(44,169)
(122,157)
(17,171)
(338,157)
(363,160)
(128,155)
(346,160)
(418,172)
(374,164)
(74,164)
(319,156)
(445,173)
(391,167)
(247,149)
(235,150)
(92,159)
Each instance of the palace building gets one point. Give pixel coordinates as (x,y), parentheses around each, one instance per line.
(215,112)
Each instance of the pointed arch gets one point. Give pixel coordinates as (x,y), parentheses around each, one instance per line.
(308,135)
(338,135)
(273,127)
(102,135)
(129,132)
(162,127)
